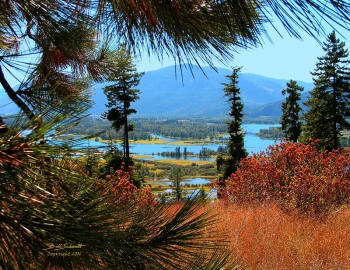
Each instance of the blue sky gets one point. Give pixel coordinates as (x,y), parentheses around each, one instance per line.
(285,58)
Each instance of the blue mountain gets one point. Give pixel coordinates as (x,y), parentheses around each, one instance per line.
(198,92)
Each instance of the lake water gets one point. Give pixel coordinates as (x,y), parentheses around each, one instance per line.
(252,143)
(191,181)
(255,128)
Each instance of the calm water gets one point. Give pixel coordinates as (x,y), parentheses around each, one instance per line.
(191,181)
(255,128)
(252,143)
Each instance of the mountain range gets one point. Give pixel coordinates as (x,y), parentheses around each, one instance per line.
(196,92)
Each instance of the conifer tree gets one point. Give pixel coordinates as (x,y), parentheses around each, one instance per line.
(236,150)
(291,125)
(330,99)
(176,176)
(120,95)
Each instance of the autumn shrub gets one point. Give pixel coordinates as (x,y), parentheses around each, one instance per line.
(296,176)
(122,188)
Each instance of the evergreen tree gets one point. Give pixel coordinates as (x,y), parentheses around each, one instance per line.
(120,95)
(236,150)
(91,161)
(177,152)
(175,177)
(291,126)
(330,99)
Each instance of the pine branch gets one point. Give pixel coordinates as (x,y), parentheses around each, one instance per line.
(12,94)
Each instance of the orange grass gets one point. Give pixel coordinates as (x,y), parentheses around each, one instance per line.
(264,237)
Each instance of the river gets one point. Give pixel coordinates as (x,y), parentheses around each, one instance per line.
(252,143)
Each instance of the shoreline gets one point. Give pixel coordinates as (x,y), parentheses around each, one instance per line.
(164,141)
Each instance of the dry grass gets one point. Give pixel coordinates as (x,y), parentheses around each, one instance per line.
(141,156)
(151,165)
(184,162)
(263,237)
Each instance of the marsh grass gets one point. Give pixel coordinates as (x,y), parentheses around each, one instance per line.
(264,237)
(184,162)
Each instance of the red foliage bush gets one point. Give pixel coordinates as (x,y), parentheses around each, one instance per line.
(123,190)
(296,176)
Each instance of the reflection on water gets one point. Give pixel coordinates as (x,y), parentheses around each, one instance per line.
(255,128)
(191,181)
(156,157)
(198,181)
(252,143)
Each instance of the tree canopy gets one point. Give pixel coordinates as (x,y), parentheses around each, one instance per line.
(120,95)
(329,102)
(291,125)
(235,145)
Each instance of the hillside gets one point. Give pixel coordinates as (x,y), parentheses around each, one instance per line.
(274,109)
(162,94)
(165,92)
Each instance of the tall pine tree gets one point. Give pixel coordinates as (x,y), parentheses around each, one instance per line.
(329,101)
(236,150)
(120,95)
(291,125)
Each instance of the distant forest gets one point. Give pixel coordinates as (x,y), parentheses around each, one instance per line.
(187,128)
